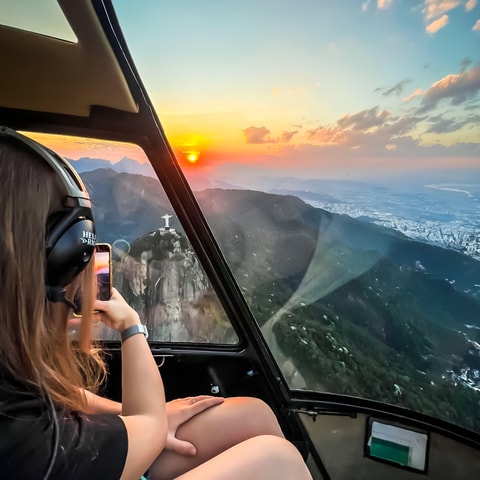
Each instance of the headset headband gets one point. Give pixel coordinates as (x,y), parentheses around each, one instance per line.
(71,180)
(70,233)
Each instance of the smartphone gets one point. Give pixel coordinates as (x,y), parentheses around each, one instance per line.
(103,272)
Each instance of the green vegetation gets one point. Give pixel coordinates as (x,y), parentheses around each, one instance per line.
(370,342)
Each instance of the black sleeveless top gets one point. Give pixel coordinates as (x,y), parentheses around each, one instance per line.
(78,445)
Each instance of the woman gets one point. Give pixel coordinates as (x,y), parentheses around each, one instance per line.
(52,424)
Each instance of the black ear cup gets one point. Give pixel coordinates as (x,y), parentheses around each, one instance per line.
(71,253)
(70,232)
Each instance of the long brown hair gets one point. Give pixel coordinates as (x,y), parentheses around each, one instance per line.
(35,349)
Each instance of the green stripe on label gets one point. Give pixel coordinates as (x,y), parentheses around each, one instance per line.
(390,451)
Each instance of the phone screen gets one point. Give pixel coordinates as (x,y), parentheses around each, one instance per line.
(103,272)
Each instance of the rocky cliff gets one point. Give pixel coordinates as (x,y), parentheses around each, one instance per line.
(162,279)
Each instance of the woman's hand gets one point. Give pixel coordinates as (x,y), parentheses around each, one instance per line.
(116,312)
(180,411)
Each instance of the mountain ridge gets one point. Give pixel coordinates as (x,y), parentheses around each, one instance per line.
(350,306)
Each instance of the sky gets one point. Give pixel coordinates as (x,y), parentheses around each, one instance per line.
(339,87)
(311,87)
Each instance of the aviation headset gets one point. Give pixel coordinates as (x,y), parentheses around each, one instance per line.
(70,232)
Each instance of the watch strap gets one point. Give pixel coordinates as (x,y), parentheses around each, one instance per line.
(134,330)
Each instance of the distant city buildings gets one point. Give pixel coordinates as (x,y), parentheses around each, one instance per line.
(463,236)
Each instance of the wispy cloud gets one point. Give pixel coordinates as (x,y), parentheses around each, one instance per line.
(287,136)
(365,5)
(372,129)
(436,8)
(396,89)
(435,12)
(384,4)
(436,25)
(470,5)
(476,27)
(261,135)
(381,4)
(331,135)
(457,87)
(257,135)
(365,119)
(465,63)
(416,93)
(440,124)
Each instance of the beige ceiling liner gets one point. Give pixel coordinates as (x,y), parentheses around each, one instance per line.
(42,73)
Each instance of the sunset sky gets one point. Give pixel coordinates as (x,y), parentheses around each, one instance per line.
(345,87)
(313,84)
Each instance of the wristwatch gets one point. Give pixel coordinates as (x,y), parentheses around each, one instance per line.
(134,330)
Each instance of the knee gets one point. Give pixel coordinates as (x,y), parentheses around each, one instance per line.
(262,417)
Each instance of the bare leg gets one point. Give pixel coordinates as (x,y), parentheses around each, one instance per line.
(259,458)
(216,430)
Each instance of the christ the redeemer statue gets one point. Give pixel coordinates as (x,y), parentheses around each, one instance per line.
(167,218)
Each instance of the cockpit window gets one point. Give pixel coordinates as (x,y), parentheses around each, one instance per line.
(334,149)
(44,17)
(154,265)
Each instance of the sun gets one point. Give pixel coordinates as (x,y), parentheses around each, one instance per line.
(192,156)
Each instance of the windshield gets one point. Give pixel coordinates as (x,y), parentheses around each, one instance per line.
(45,17)
(334,149)
(152,262)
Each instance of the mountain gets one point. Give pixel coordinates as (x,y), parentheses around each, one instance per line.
(125,206)
(342,247)
(268,236)
(346,306)
(125,165)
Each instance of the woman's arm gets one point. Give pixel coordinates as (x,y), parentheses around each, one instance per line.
(143,397)
(98,404)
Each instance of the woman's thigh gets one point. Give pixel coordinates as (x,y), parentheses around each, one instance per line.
(216,430)
(259,458)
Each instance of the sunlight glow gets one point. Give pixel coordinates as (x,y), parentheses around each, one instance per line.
(192,156)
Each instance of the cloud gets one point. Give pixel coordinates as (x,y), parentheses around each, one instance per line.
(403,154)
(381,4)
(259,135)
(365,6)
(372,140)
(396,89)
(287,136)
(470,5)
(458,87)
(440,124)
(437,8)
(416,93)
(436,25)
(384,4)
(476,27)
(371,130)
(464,64)
(276,90)
(332,135)
(364,120)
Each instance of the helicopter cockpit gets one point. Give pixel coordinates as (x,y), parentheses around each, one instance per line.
(291,192)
